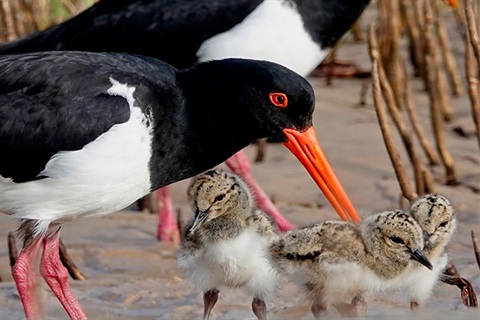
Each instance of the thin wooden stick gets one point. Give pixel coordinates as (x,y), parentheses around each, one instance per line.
(471,72)
(180,225)
(460,20)
(28,11)
(9,20)
(390,48)
(447,55)
(398,167)
(451,270)
(472,30)
(433,93)
(12,248)
(67,261)
(403,130)
(441,78)
(428,182)
(3,25)
(415,37)
(362,101)
(261,148)
(393,108)
(469,296)
(357,31)
(330,66)
(418,9)
(70,7)
(476,248)
(417,128)
(18,19)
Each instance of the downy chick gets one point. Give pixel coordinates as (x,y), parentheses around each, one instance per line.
(226,242)
(436,217)
(336,261)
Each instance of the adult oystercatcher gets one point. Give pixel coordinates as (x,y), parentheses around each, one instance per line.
(85,134)
(294,33)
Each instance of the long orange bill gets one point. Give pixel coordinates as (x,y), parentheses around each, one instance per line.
(305,146)
(452,3)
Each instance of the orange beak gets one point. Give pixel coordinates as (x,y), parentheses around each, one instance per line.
(305,146)
(452,3)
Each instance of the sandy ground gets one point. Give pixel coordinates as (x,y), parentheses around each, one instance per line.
(133,276)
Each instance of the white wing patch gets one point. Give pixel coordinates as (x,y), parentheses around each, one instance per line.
(274,31)
(106,175)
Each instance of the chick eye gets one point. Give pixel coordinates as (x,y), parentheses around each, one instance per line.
(397,240)
(279,99)
(443,224)
(219,198)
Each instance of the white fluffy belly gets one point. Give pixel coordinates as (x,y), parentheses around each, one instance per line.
(238,262)
(346,280)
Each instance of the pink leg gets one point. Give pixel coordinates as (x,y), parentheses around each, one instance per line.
(167,226)
(56,276)
(240,165)
(25,279)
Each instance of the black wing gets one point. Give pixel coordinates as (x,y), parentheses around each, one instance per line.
(169,30)
(328,20)
(51,102)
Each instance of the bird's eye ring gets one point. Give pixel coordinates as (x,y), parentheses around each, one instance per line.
(397,240)
(443,224)
(219,198)
(279,99)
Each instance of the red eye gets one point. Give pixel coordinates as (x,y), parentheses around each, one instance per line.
(279,99)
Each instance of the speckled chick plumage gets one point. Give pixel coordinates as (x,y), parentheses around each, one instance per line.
(225,245)
(335,261)
(435,215)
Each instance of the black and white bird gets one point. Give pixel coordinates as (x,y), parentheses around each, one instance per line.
(86,134)
(295,33)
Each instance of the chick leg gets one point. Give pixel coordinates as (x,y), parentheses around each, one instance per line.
(259,308)
(210,297)
(359,307)
(318,310)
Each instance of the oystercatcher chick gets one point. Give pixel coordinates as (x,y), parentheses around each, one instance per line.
(111,128)
(336,261)
(295,33)
(225,245)
(436,217)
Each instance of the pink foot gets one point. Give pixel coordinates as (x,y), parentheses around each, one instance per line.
(56,276)
(26,281)
(240,165)
(167,225)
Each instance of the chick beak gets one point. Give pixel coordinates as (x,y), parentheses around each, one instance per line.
(419,256)
(200,218)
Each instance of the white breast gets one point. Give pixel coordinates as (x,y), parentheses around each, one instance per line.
(346,280)
(238,262)
(274,31)
(106,175)
(418,282)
